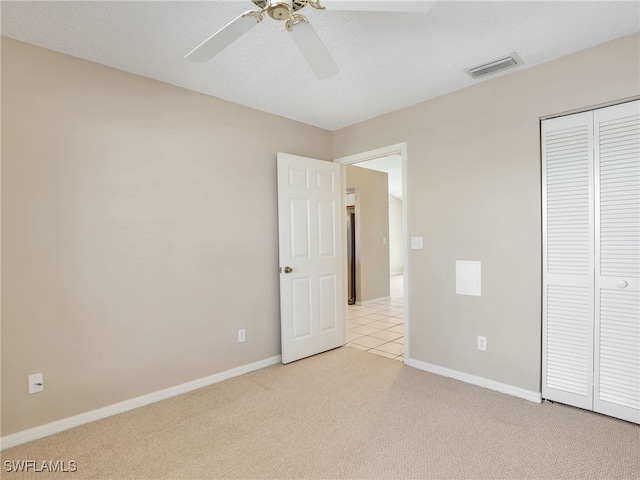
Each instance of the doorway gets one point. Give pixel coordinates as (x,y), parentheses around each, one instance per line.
(381,326)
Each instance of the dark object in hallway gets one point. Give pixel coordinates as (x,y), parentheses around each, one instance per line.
(351,253)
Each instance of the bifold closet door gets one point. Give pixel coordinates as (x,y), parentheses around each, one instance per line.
(591,260)
(617,265)
(568,259)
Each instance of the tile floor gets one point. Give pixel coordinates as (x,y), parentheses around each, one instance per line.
(379,327)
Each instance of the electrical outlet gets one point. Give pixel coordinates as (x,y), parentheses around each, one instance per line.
(241,335)
(482,343)
(36,383)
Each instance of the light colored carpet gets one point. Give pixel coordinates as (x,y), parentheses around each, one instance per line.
(344,414)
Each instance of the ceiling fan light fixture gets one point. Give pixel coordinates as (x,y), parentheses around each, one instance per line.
(280,9)
(303,35)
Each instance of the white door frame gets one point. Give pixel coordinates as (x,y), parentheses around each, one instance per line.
(401,150)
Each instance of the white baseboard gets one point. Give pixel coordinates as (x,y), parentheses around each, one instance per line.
(475,380)
(375,300)
(25,436)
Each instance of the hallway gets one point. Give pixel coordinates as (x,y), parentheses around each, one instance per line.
(378,328)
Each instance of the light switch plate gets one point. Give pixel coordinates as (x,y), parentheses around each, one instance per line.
(36,383)
(416,243)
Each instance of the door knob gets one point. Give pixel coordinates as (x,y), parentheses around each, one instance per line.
(288,269)
(622,284)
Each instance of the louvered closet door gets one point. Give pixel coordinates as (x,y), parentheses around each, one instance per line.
(617,300)
(568,249)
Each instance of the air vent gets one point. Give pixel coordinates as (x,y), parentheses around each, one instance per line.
(492,67)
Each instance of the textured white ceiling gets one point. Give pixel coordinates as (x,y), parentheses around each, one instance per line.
(387,61)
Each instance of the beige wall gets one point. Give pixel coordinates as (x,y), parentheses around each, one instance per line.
(126,269)
(372,226)
(473,175)
(139,233)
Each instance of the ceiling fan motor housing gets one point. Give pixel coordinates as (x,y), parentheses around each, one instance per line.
(280,9)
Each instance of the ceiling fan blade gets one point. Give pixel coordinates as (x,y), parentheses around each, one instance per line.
(408,6)
(314,51)
(222,38)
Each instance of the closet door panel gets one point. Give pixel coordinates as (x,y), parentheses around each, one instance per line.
(568,249)
(617,266)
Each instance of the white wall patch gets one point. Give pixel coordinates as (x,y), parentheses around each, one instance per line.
(468,278)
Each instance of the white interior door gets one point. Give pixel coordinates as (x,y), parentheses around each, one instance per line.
(617,266)
(310,222)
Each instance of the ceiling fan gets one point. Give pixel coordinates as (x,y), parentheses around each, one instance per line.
(303,34)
